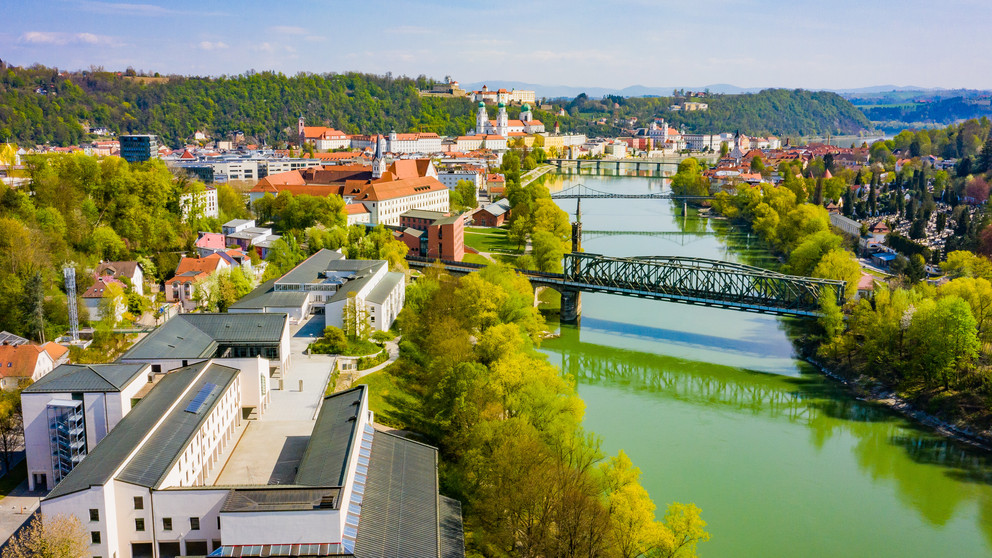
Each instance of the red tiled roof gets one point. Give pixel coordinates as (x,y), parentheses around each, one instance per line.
(18,361)
(200,266)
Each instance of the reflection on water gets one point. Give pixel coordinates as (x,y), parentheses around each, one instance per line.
(714,408)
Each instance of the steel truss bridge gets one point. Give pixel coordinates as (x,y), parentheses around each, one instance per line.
(580,191)
(676,279)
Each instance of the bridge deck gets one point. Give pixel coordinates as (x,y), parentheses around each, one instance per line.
(683,280)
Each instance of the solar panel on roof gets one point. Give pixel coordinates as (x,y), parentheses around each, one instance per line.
(201,397)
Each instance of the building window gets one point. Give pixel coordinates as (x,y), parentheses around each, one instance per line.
(139,503)
(94,515)
(166,523)
(95,537)
(139,524)
(194,524)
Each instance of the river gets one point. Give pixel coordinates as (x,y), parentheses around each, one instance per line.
(715,409)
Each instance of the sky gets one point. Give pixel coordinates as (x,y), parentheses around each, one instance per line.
(829,44)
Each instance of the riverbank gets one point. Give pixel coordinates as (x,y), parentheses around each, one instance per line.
(879,393)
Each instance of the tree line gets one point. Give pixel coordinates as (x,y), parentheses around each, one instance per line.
(782,112)
(41,105)
(508,427)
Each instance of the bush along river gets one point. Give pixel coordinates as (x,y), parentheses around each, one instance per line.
(715,408)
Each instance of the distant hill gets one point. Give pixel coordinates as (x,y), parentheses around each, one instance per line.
(782,112)
(42,105)
(39,105)
(570,92)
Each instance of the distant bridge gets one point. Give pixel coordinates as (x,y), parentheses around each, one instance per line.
(580,191)
(603,164)
(675,279)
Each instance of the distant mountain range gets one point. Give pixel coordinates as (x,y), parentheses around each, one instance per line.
(569,92)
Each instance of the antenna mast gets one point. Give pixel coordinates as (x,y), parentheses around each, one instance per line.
(70,289)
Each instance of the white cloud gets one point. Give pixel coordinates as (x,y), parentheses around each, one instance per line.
(207,45)
(114,8)
(61,39)
(288,30)
(409,30)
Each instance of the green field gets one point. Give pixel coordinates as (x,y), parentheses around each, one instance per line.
(387,398)
(475,259)
(490,240)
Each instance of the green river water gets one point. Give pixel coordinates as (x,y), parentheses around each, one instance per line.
(715,409)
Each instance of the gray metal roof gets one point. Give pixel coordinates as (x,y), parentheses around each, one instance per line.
(265,296)
(159,454)
(87,378)
(400,516)
(280,499)
(422,214)
(197,335)
(97,468)
(325,461)
(308,269)
(380,292)
(452,531)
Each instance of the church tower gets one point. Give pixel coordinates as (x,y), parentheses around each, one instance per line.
(525,114)
(379,160)
(300,129)
(502,122)
(481,119)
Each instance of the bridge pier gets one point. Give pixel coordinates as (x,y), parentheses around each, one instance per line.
(571,306)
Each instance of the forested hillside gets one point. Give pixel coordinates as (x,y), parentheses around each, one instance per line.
(42,105)
(782,112)
(39,105)
(897,116)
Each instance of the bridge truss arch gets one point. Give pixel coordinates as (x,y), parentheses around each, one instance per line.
(701,281)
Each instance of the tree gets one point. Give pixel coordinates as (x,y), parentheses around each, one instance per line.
(984,161)
(355,318)
(518,232)
(689,179)
(918,229)
(840,264)
(944,338)
(547,251)
(466,193)
(685,530)
(112,304)
(34,305)
(633,530)
(60,536)
(11,425)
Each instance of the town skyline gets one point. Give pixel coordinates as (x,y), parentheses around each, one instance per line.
(744,43)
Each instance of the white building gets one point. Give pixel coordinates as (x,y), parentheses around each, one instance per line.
(493,142)
(322,284)
(503,126)
(68,411)
(149,489)
(204,202)
(321,137)
(451,177)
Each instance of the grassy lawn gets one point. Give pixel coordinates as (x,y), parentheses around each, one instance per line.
(476,259)
(15,477)
(494,240)
(388,399)
(488,230)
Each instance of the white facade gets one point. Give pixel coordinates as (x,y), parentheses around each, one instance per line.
(103,410)
(388,212)
(450,178)
(413,143)
(207,200)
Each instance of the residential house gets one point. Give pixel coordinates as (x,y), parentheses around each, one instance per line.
(119,270)
(181,287)
(97,292)
(21,364)
(493,215)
